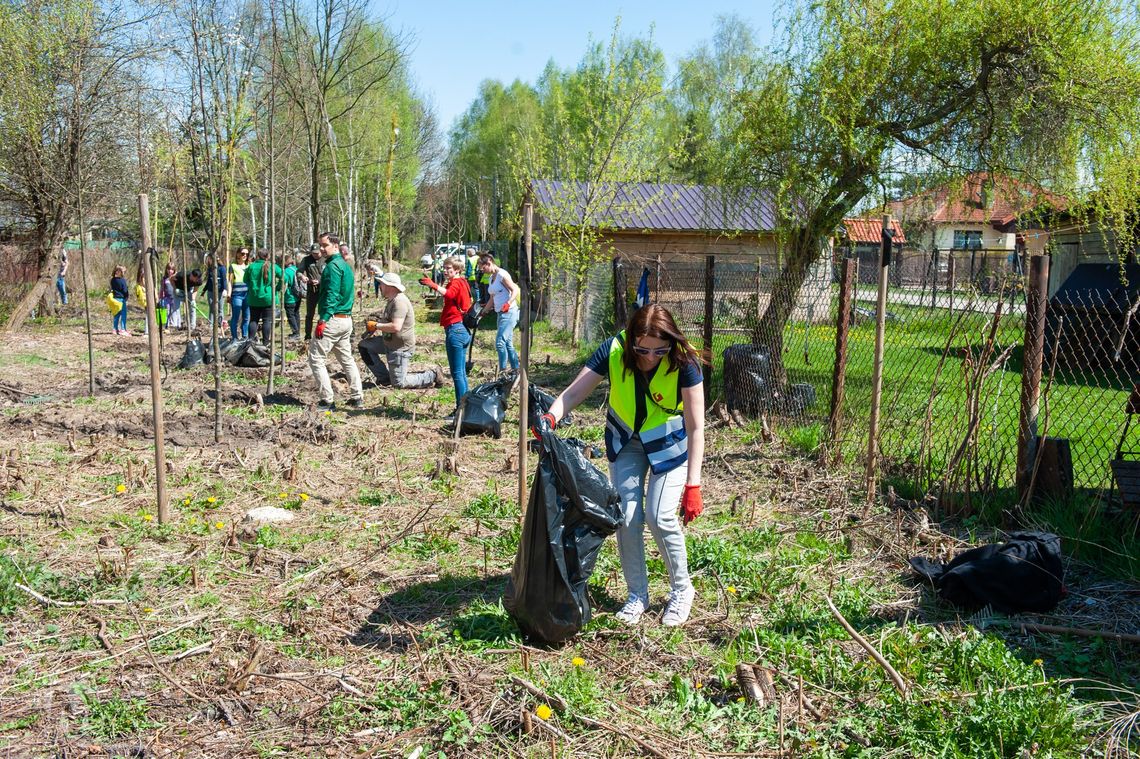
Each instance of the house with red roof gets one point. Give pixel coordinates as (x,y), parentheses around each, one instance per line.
(979,212)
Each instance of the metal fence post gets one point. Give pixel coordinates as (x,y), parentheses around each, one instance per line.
(1032,360)
(839,374)
(710,278)
(877,370)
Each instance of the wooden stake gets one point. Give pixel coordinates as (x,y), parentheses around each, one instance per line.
(155,378)
(524,363)
(877,370)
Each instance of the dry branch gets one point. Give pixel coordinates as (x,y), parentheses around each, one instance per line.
(892,673)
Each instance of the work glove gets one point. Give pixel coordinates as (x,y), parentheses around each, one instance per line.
(506,307)
(426,282)
(691,503)
(320,331)
(371,326)
(545,422)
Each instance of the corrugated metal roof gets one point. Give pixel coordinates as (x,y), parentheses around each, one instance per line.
(870,231)
(656,206)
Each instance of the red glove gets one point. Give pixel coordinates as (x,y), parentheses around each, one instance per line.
(691,503)
(545,422)
(426,282)
(320,331)
(506,307)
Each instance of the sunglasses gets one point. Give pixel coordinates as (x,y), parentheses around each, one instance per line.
(652,351)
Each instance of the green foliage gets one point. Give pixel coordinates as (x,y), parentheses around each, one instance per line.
(116,717)
(490,506)
(484,625)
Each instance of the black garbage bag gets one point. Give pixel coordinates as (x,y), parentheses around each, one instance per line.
(484,408)
(208,357)
(538,403)
(233,350)
(749,381)
(1022,574)
(195,354)
(256,356)
(573,508)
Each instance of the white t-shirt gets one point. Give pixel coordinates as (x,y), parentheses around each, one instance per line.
(498,290)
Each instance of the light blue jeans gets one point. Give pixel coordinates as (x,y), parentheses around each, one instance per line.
(656,504)
(120,320)
(61,288)
(456,340)
(239,312)
(505,338)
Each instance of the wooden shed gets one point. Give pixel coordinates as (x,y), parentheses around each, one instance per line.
(672,229)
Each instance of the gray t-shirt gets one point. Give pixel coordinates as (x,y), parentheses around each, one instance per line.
(405,339)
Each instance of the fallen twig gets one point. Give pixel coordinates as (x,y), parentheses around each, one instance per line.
(646,747)
(68,604)
(892,673)
(555,700)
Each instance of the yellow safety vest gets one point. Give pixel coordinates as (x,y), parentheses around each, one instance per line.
(662,433)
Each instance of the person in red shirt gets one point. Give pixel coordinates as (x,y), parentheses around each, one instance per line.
(456,302)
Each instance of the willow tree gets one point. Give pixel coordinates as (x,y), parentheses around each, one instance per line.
(1045,90)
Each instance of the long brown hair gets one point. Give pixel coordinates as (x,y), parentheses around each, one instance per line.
(655,321)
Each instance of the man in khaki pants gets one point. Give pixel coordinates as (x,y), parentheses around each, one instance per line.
(333,333)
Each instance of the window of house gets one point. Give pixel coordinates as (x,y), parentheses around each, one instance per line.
(967,239)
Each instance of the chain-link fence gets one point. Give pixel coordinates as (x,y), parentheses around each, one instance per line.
(953,364)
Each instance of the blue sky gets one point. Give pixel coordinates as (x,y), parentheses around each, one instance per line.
(459,44)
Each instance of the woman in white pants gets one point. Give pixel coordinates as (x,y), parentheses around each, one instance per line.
(655,443)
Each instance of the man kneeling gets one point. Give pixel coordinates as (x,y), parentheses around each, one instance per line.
(393,334)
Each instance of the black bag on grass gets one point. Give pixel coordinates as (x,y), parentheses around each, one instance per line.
(233,350)
(256,356)
(195,354)
(1023,574)
(485,407)
(573,508)
(538,404)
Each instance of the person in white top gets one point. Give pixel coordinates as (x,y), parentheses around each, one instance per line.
(503,296)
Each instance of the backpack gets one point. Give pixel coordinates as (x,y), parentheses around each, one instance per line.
(296,288)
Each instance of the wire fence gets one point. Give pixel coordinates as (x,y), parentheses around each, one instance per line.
(953,367)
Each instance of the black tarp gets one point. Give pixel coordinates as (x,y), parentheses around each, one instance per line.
(573,508)
(1024,573)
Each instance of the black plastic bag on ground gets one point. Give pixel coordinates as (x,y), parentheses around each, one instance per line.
(485,407)
(538,403)
(256,356)
(233,350)
(1024,573)
(195,354)
(573,508)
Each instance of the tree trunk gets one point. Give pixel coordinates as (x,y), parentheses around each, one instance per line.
(804,251)
(41,290)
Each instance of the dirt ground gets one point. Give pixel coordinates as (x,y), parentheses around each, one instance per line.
(371,625)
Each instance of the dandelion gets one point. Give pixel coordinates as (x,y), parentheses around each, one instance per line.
(698,685)
(147,610)
(543,712)
(1037,663)
(304,496)
(328,413)
(282,496)
(186,502)
(578,661)
(148,517)
(731,589)
(120,488)
(219,525)
(211,499)
(740,700)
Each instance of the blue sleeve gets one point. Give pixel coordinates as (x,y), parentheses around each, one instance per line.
(691,374)
(599,362)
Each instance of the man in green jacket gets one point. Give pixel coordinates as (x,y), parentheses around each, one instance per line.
(264,279)
(333,333)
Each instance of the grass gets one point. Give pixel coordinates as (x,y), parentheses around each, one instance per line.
(377,611)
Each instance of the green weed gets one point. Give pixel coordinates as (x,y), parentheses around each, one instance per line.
(116,717)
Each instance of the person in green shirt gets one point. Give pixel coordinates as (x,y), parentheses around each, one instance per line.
(264,278)
(333,333)
(293,290)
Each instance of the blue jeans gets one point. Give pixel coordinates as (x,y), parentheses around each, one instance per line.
(505,338)
(61,288)
(120,320)
(653,502)
(456,340)
(239,312)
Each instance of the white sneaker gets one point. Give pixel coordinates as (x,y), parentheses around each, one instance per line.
(678,608)
(632,611)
